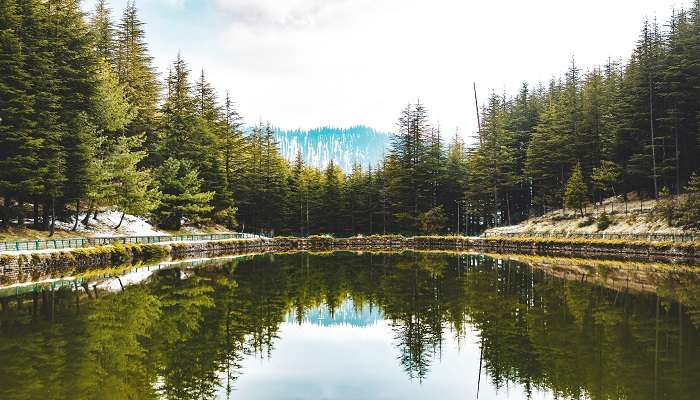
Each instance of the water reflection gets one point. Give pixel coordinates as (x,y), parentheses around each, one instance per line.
(387,326)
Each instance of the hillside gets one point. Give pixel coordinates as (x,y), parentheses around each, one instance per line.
(636,219)
(345,146)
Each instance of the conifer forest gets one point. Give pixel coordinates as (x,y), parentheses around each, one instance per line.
(87,124)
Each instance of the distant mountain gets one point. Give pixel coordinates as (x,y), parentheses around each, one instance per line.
(345,146)
(345,314)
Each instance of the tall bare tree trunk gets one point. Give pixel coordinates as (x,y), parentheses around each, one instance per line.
(77,215)
(120,221)
(53,216)
(36,214)
(86,220)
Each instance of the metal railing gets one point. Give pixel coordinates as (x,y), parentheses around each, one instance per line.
(654,237)
(45,244)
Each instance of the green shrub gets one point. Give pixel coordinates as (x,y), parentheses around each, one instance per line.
(5,260)
(321,238)
(120,254)
(603,221)
(588,221)
(152,252)
(666,208)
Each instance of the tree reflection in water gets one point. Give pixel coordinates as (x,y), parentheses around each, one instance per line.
(183,333)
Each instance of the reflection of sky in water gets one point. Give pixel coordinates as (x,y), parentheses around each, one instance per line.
(355,357)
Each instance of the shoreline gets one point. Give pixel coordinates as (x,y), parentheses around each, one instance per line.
(26,267)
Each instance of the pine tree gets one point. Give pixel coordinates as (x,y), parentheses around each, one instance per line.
(179,122)
(576,192)
(606,176)
(134,68)
(550,151)
(638,147)
(355,188)
(332,218)
(690,207)
(40,67)
(181,196)
(233,150)
(111,115)
(453,181)
(112,112)
(19,148)
(433,221)
(265,179)
(409,184)
(492,165)
(205,98)
(209,160)
(522,115)
(135,191)
(298,193)
(102,30)
(76,67)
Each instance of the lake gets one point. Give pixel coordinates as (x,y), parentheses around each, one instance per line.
(413,325)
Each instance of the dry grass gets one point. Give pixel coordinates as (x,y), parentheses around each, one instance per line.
(632,218)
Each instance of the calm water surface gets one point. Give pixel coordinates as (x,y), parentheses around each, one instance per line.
(348,326)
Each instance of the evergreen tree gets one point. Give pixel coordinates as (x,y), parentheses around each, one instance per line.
(298,192)
(232,143)
(102,30)
(355,198)
(19,147)
(135,191)
(605,177)
(690,207)
(492,165)
(207,147)
(433,221)
(409,187)
(111,115)
(453,182)
(522,115)
(549,152)
(181,197)
(38,52)
(265,181)
(179,119)
(134,68)
(75,71)
(332,217)
(638,151)
(576,192)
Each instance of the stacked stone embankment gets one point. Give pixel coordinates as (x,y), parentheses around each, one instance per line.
(33,266)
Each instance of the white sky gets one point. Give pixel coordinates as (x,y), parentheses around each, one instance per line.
(309,63)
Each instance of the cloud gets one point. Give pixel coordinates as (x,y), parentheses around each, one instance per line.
(307,63)
(278,13)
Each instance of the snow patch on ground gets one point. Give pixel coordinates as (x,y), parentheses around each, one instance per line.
(106,221)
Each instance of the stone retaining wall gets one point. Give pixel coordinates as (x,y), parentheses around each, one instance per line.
(27,267)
